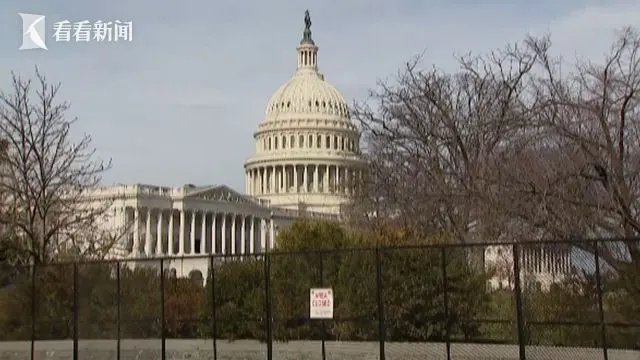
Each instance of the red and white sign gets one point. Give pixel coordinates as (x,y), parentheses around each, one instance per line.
(321,304)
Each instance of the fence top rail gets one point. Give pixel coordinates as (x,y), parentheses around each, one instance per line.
(319,252)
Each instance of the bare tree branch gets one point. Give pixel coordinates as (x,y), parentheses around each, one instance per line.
(45,172)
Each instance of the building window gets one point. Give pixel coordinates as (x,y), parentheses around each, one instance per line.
(327,142)
(319,142)
(301,140)
(293,141)
(269,144)
(310,141)
(275,143)
(284,142)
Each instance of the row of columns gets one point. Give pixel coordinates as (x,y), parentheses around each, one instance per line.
(195,232)
(546,261)
(308,178)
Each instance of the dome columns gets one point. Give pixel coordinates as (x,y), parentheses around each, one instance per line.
(299,178)
(307,57)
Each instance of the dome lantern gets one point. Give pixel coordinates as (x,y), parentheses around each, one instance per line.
(307,50)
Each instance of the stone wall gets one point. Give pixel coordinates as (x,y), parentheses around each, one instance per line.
(150,349)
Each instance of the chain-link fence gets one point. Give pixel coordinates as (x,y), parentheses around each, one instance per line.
(555,300)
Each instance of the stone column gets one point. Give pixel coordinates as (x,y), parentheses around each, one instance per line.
(272,180)
(136,231)
(347,181)
(281,178)
(243,236)
(224,234)
(170,243)
(183,230)
(272,234)
(325,178)
(159,234)
(252,235)
(147,236)
(213,233)
(192,233)
(233,234)
(203,234)
(263,235)
(305,179)
(316,186)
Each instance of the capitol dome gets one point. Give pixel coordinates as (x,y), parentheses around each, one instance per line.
(307,152)
(304,94)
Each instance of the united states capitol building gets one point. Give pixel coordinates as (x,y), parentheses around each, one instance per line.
(306,159)
(306,163)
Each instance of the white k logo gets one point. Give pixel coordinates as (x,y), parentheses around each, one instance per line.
(33,31)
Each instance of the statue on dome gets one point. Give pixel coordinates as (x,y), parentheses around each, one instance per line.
(307,20)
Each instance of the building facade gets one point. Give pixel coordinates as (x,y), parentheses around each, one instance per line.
(541,265)
(151,222)
(306,160)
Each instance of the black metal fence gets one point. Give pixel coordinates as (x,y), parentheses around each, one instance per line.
(576,295)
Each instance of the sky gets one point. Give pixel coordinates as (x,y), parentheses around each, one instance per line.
(180,102)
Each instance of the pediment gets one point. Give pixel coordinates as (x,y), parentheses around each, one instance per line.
(220,193)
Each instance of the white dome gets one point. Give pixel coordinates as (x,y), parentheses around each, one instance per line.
(307,153)
(307,92)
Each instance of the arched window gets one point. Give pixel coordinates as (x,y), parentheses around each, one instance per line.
(301,141)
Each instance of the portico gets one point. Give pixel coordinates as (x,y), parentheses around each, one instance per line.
(159,232)
(155,221)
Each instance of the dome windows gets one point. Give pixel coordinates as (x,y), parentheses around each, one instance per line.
(309,140)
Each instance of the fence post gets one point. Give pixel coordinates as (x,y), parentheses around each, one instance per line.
(603,327)
(445,292)
(75,311)
(518,294)
(381,328)
(162,315)
(323,338)
(33,311)
(118,316)
(214,324)
(268,315)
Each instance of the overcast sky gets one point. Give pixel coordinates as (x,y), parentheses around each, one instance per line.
(179,104)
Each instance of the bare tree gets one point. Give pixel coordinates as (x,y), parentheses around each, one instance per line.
(592,118)
(46,174)
(511,145)
(434,137)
